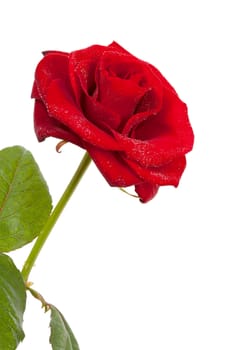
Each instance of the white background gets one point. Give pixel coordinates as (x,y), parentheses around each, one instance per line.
(128,276)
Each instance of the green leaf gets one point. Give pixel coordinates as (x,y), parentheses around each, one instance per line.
(25,202)
(62,337)
(12,304)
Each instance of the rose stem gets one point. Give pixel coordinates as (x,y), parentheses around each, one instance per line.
(41,239)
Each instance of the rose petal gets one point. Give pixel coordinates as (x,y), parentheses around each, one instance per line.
(114,46)
(159,76)
(35,92)
(62,107)
(136,120)
(160,139)
(46,126)
(118,80)
(146,191)
(99,114)
(168,174)
(154,152)
(82,65)
(53,66)
(56,52)
(173,118)
(113,168)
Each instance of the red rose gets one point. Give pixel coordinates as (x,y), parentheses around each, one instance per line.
(120,109)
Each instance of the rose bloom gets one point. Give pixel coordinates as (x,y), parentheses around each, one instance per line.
(120,109)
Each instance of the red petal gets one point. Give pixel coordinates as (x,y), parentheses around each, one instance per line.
(46,126)
(118,80)
(52,66)
(136,120)
(100,115)
(114,46)
(146,191)
(160,139)
(168,174)
(56,52)
(113,168)
(82,65)
(61,107)
(154,71)
(35,93)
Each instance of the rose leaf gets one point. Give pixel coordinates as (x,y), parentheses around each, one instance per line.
(25,202)
(12,304)
(61,336)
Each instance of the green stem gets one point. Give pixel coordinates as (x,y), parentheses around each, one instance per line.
(28,265)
